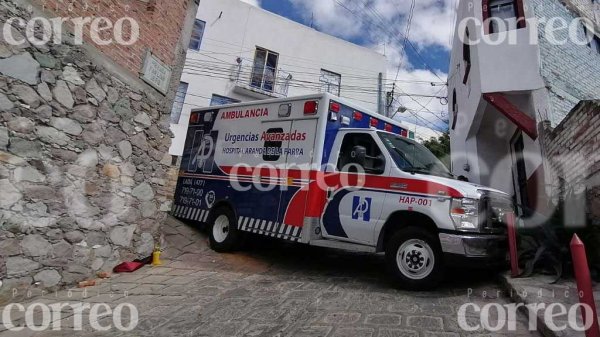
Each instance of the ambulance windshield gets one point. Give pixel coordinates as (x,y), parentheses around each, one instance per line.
(413,157)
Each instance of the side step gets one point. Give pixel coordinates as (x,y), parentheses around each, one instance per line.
(353,247)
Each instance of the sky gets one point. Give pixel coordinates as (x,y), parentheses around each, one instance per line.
(382,25)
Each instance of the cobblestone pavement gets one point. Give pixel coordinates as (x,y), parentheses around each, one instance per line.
(273,289)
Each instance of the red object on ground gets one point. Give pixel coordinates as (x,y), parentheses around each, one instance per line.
(128,267)
(584,285)
(512,244)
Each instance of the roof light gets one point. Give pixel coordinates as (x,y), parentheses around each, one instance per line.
(388,127)
(374,122)
(357,116)
(311,107)
(335,107)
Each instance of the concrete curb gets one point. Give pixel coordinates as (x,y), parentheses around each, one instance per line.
(520,290)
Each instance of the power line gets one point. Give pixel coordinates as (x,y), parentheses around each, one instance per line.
(391,34)
(350,76)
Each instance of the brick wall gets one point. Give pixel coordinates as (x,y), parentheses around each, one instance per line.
(161,23)
(572,150)
(571,72)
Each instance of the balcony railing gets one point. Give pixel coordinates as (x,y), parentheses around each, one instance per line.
(261,80)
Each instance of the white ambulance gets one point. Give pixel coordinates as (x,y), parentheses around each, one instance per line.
(320,171)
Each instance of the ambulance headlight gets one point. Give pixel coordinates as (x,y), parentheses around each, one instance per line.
(465,214)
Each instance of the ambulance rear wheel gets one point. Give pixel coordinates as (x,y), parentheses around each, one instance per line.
(414,257)
(223,233)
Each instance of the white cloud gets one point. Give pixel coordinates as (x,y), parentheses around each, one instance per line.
(381,25)
(255,3)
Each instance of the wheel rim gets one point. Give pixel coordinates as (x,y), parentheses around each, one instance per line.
(220,229)
(415,259)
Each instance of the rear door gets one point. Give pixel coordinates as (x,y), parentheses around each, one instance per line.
(299,159)
(274,158)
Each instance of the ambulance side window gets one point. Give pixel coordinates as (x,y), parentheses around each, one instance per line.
(272,148)
(375,160)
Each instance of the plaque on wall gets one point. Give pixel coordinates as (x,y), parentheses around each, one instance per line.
(156,73)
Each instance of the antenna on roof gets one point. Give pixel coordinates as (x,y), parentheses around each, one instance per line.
(312,19)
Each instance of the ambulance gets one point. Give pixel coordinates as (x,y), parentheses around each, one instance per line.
(321,171)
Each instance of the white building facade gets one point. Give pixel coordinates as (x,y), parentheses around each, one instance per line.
(243,53)
(518,71)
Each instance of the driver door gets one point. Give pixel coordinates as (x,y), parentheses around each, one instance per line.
(354,206)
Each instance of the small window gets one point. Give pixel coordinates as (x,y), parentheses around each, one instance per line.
(222,100)
(264,70)
(197,34)
(504,15)
(330,82)
(179,102)
(375,161)
(272,148)
(454,109)
(467,56)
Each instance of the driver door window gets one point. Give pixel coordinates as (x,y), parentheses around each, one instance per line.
(374,162)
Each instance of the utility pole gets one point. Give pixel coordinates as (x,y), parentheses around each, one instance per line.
(380,94)
(390,100)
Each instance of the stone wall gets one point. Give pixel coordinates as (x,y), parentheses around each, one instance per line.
(83,165)
(572,152)
(571,71)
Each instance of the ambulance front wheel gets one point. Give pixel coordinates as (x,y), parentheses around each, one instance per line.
(223,233)
(414,257)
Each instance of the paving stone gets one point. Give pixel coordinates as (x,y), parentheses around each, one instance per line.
(354,332)
(383,319)
(200,294)
(431,323)
(342,317)
(386,332)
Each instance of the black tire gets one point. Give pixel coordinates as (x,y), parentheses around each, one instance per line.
(223,239)
(418,270)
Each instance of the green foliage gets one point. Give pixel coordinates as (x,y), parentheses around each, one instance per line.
(440,147)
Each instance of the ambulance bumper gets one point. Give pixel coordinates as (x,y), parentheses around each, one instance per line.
(474,250)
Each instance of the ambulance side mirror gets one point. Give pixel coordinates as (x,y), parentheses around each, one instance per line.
(358,155)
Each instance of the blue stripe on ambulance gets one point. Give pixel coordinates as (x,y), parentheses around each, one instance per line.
(333,127)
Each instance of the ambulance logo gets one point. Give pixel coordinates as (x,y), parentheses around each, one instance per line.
(361,208)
